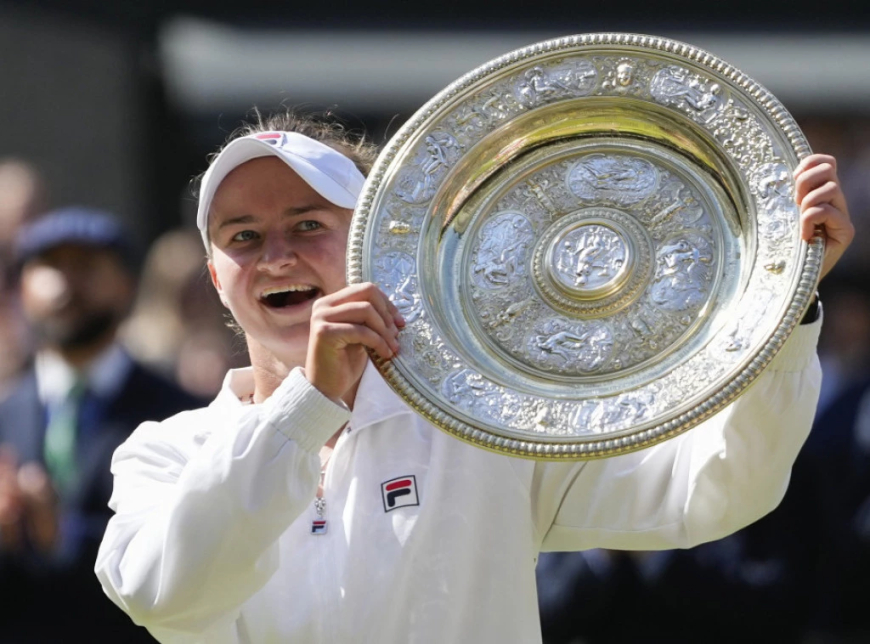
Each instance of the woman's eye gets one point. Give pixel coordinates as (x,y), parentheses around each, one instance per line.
(308,225)
(245,235)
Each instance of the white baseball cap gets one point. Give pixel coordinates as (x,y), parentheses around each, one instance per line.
(334,176)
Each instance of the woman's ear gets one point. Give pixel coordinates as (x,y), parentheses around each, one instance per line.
(217,283)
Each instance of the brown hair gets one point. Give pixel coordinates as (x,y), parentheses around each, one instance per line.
(322,127)
(325,128)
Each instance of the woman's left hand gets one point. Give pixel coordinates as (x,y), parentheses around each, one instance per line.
(823,206)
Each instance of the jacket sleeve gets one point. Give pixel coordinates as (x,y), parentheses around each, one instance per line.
(199,509)
(703,485)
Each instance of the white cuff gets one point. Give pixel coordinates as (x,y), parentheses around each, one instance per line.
(800,349)
(298,410)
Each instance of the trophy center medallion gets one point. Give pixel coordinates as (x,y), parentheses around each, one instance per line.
(592,262)
(589,260)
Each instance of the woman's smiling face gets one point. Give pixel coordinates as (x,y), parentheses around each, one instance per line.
(276,246)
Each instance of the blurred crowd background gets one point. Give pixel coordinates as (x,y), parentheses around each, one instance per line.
(116,106)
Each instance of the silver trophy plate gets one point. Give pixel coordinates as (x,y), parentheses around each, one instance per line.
(594,243)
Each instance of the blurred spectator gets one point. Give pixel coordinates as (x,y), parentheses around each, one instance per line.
(177,325)
(840,456)
(755,586)
(15,342)
(844,346)
(854,172)
(82,396)
(22,197)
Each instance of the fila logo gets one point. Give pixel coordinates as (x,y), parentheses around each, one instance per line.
(399,493)
(318,526)
(273,138)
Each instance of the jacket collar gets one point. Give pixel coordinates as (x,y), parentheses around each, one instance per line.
(375,400)
(238,384)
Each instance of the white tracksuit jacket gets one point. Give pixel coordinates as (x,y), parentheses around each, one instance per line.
(212,543)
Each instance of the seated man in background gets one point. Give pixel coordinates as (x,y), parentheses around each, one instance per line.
(80,399)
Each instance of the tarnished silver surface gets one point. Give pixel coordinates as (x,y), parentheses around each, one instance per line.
(594,243)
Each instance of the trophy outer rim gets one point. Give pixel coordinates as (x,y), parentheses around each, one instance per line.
(810,255)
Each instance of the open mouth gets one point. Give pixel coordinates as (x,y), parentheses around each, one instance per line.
(286,296)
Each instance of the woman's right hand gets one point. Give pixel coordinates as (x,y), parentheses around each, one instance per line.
(343,325)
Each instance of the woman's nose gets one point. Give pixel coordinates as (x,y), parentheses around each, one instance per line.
(278,252)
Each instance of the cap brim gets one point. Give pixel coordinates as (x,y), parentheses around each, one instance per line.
(245,149)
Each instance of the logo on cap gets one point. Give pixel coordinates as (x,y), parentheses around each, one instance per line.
(273,138)
(399,492)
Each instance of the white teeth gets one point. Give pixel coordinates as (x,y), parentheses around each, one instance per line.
(286,289)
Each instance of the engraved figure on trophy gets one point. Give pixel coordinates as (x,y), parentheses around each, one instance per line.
(621,179)
(432,357)
(546,419)
(774,188)
(502,319)
(440,153)
(679,87)
(626,409)
(473,120)
(432,364)
(581,78)
(470,391)
(502,254)
(539,85)
(499,106)
(740,336)
(623,76)
(469,123)
(643,334)
(684,270)
(581,347)
(624,72)
(398,277)
(589,257)
(535,198)
(742,135)
(645,330)
(550,418)
(680,207)
(543,196)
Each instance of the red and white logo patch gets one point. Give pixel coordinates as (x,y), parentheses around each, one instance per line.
(273,138)
(399,493)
